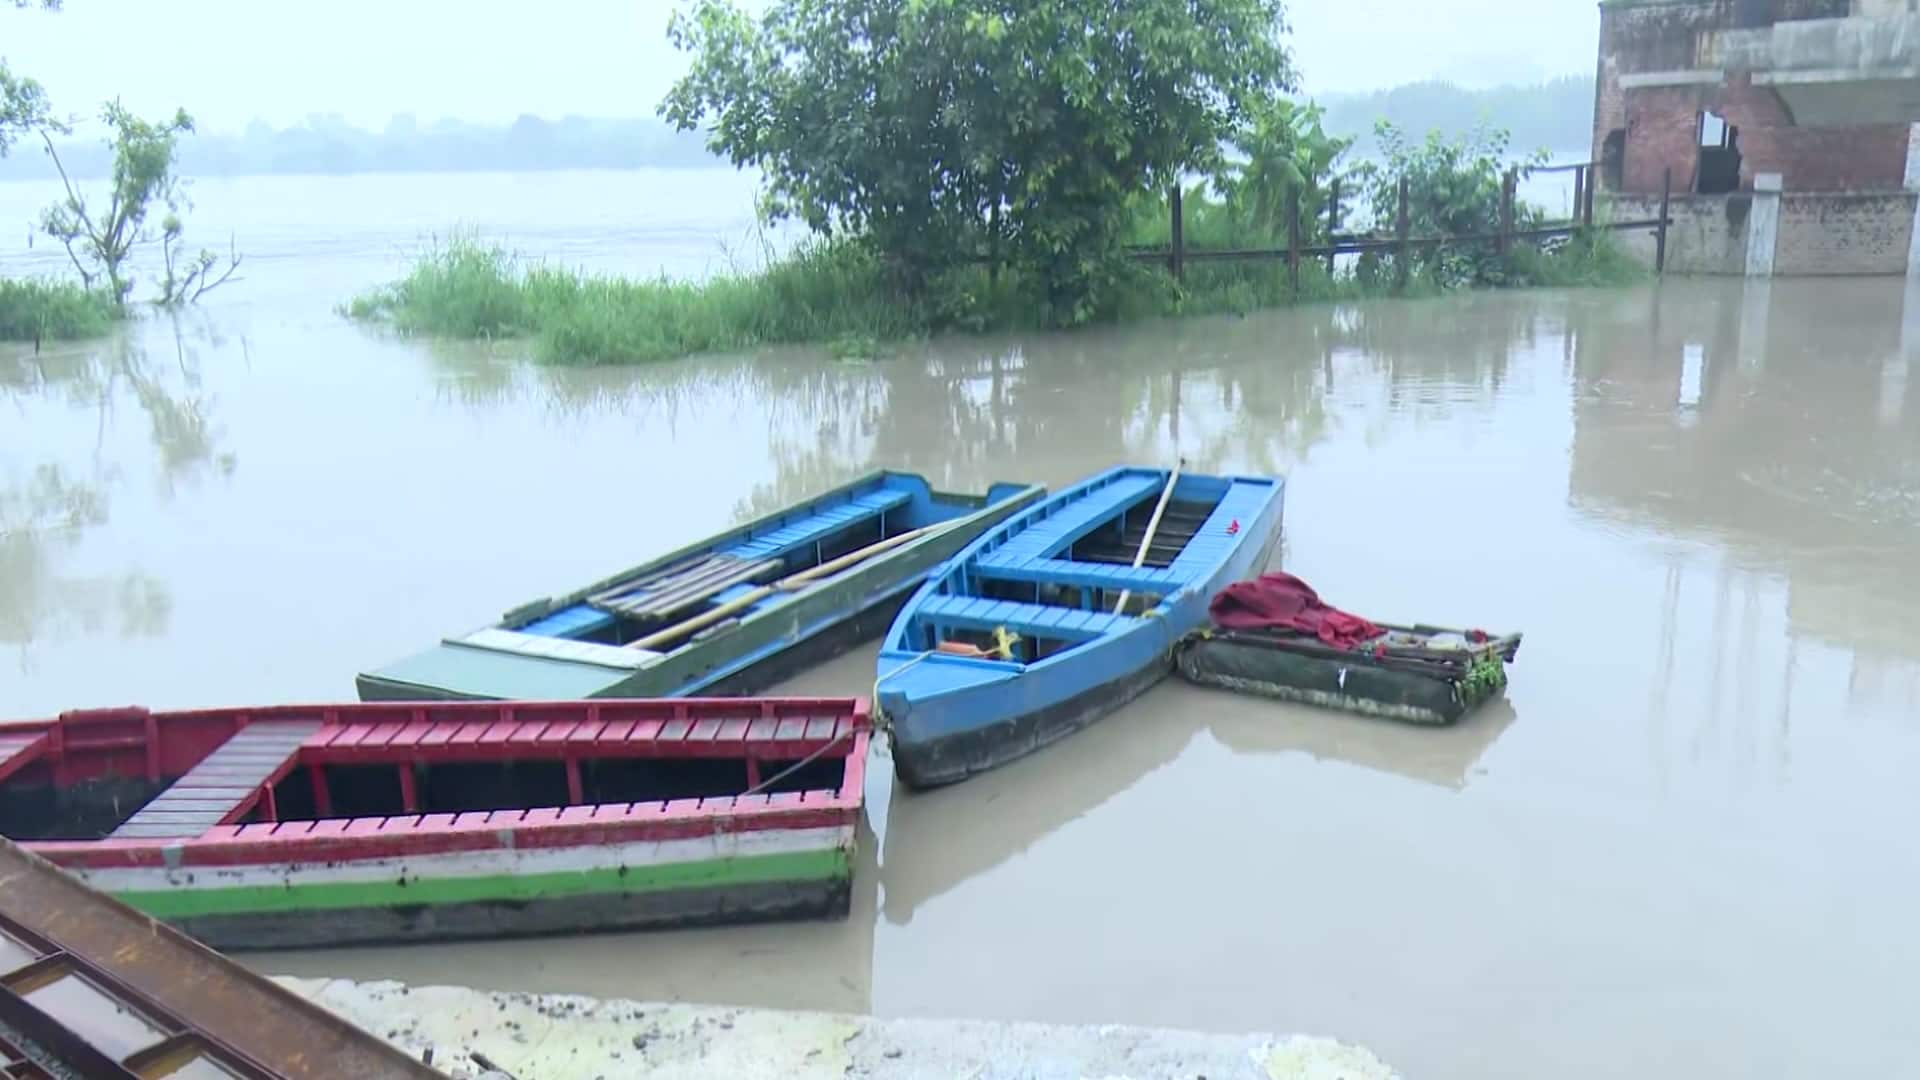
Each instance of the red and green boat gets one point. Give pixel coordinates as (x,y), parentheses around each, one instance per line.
(296,826)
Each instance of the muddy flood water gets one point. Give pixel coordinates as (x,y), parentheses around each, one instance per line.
(1682,848)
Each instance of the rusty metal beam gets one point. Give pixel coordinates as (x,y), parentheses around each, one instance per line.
(218,999)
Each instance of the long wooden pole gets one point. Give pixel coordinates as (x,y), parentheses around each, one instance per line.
(1153,526)
(790,583)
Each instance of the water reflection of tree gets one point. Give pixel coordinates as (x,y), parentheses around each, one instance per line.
(47,511)
(1239,393)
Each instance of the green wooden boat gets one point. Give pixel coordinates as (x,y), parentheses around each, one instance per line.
(729,615)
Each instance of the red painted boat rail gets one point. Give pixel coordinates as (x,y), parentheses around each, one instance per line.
(768,734)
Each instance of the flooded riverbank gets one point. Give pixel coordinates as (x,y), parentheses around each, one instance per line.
(1678,850)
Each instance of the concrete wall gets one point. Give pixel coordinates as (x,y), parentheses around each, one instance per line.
(1708,235)
(1861,233)
(1819,234)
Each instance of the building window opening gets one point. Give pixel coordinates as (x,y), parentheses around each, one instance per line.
(1719,171)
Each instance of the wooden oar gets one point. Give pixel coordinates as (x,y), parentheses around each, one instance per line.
(792,583)
(1153,526)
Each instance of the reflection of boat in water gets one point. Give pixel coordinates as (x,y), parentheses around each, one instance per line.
(937,840)
(1442,756)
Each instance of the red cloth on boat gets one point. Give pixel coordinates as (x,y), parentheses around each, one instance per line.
(1284,602)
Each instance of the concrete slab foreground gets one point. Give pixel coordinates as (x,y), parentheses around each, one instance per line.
(569,1037)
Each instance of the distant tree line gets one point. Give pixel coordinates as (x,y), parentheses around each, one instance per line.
(1556,115)
(329,145)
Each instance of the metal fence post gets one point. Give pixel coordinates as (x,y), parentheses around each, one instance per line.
(1504,243)
(1293,241)
(1660,236)
(1401,228)
(1333,224)
(1178,262)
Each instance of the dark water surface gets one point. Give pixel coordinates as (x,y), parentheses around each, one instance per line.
(1682,849)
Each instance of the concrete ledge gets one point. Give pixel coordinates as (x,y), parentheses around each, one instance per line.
(567,1037)
(1648,79)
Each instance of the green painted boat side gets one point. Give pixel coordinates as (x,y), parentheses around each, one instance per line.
(822,865)
(735,657)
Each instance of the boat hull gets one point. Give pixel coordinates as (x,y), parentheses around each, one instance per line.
(494,894)
(929,761)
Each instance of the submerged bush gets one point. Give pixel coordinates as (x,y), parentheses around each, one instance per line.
(35,310)
(842,294)
(467,289)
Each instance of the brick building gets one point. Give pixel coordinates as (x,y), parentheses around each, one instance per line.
(1796,117)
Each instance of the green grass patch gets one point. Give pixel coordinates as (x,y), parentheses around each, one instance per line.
(470,290)
(840,295)
(34,309)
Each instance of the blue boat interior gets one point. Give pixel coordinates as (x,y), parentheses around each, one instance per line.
(1054,577)
(744,563)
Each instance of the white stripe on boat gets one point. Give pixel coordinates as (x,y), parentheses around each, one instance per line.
(489,863)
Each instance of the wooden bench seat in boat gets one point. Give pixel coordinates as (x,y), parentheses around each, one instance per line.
(1037,620)
(1073,520)
(1018,561)
(1111,576)
(224,785)
(1243,503)
(818,525)
(715,577)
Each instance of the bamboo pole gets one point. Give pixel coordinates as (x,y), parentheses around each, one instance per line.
(1153,526)
(791,583)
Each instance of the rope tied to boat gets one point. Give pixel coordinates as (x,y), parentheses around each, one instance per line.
(796,766)
(1004,641)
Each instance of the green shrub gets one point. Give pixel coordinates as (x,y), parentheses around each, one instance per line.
(34,310)
(840,293)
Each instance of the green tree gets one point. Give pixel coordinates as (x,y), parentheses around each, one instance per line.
(941,130)
(143,178)
(1453,189)
(23,103)
(1286,151)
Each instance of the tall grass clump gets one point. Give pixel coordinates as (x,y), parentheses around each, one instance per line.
(462,289)
(1590,257)
(37,310)
(842,294)
(467,289)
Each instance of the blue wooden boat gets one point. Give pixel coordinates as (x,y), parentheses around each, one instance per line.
(1060,614)
(729,615)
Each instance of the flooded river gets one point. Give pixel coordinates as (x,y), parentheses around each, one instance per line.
(1682,848)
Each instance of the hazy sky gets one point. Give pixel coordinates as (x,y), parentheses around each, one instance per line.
(228,61)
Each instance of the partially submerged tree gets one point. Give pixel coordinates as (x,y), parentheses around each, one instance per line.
(943,130)
(100,243)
